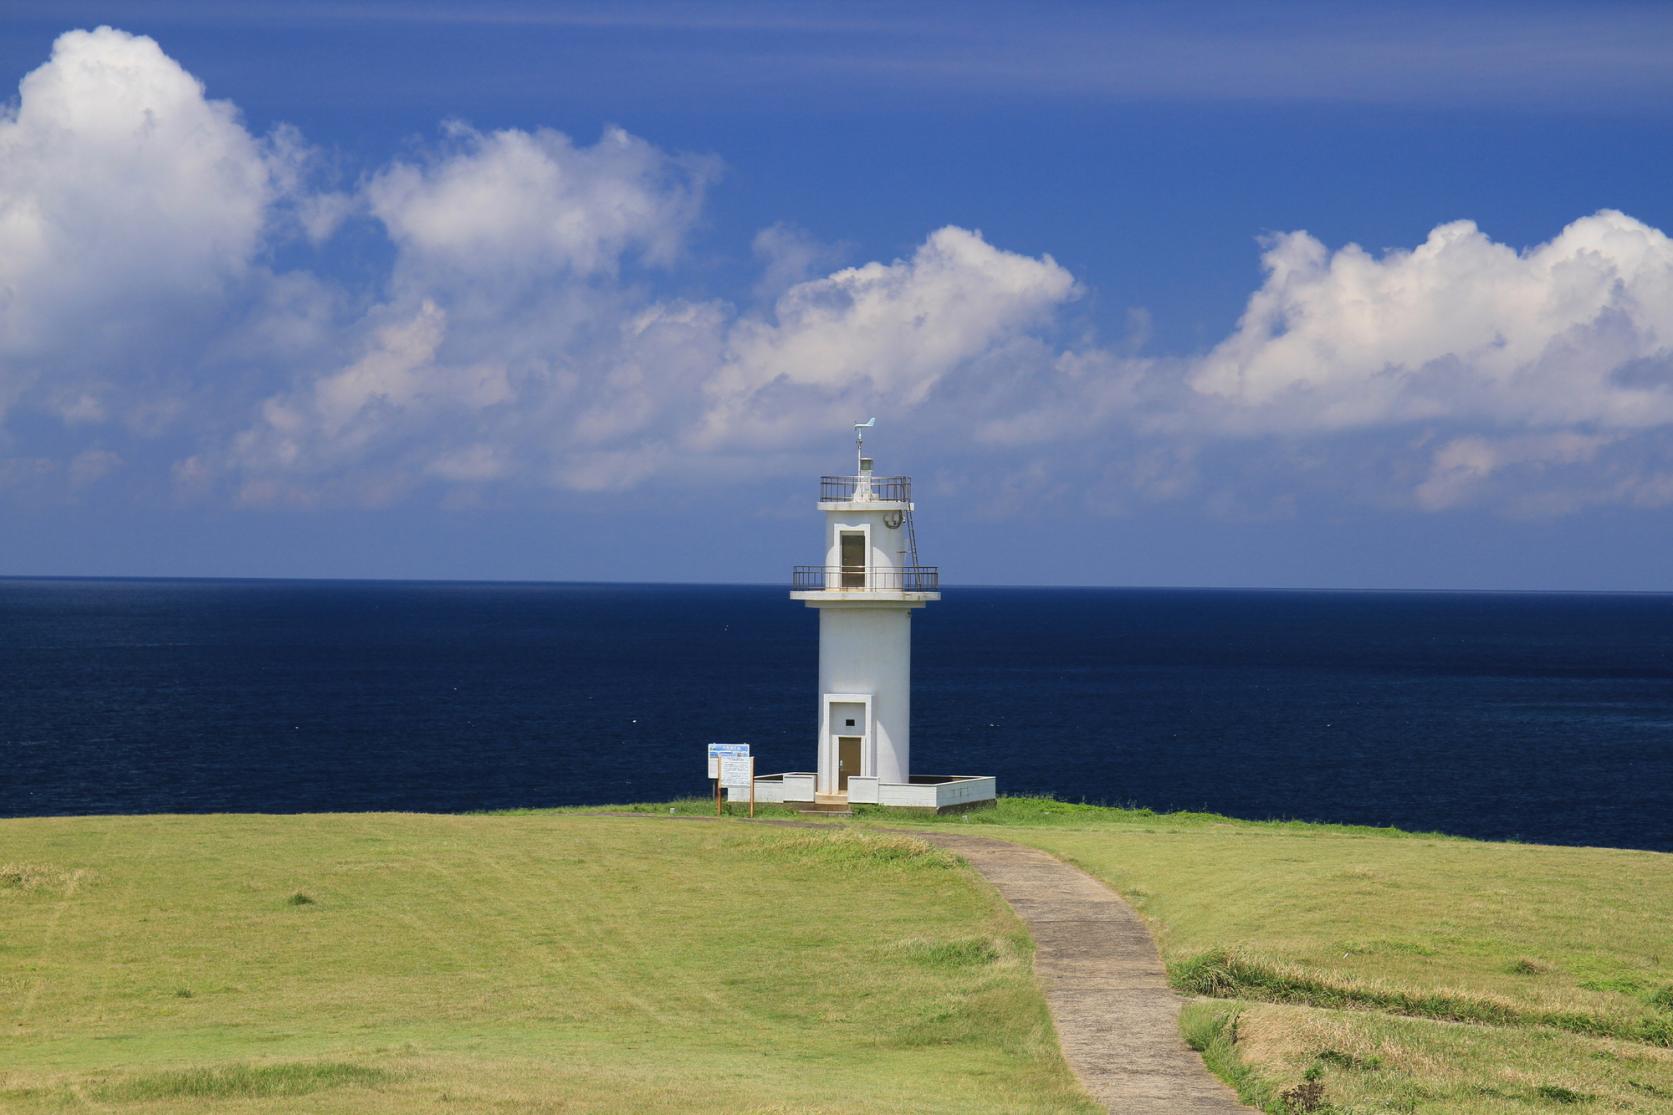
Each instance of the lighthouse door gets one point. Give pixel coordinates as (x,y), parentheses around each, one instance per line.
(848,760)
(842,754)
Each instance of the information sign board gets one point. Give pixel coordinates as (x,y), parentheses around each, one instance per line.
(737,772)
(719,750)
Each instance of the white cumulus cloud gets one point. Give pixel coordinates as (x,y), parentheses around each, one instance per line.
(123,190)
(883,335)
(1459,328)
(509,349)
(343,425)
(514,205)
(1538,381)
(580,387)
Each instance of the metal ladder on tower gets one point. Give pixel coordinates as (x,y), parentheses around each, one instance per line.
(911,539)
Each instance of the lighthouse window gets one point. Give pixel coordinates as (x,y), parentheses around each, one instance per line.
(849,723)
(853,552)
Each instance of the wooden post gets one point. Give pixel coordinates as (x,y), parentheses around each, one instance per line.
(717,796)
(752,786)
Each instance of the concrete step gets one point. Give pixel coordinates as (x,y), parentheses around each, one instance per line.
(823,805)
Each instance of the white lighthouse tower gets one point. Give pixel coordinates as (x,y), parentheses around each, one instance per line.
(865,590)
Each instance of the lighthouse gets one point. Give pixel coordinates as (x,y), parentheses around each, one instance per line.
(865,590)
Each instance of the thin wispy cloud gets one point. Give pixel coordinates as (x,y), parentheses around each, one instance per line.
(1502,56)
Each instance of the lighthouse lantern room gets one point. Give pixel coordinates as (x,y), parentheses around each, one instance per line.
(865,590)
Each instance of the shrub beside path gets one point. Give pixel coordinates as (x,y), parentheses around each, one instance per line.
(1116,1016)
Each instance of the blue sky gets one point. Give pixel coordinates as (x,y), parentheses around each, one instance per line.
(1308,296)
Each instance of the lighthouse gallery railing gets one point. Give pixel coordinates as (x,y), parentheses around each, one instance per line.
(842,489)
(865,578)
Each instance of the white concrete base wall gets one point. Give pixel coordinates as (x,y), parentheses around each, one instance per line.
(766,790)
(798,786)
(777,788)
(862,791)
(939,795)
(921,797)
(967,790)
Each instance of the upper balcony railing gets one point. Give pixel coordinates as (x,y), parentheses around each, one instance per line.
(846,489)
(866,578)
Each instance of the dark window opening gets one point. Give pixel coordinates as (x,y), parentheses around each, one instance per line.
(853,552)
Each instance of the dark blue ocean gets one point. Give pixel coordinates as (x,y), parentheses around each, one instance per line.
(1537,717)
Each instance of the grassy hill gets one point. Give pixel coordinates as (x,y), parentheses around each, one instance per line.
(1401,972)
(1389,971)
(401,963)
(578,962)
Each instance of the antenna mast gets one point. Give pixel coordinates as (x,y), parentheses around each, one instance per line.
(860,429)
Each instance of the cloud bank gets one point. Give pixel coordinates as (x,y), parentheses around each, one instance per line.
(535,331)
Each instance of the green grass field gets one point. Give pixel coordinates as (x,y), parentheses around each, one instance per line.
(575,962)
(550,962)
(1389,971)
(1400,972)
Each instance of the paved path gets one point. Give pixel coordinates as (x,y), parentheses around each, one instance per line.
(1116,1016)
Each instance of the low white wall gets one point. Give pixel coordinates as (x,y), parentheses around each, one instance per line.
(797,786)
(894,793)
(793,786)
(985,788)
(766,790)
(862,791)
(937,795)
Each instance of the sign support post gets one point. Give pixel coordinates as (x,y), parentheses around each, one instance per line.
(721,754)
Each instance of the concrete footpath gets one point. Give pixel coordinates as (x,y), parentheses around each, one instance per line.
(1116,1016)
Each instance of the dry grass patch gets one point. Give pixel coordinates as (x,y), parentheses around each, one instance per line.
(1371,1062)
(20,878)
(1223,973)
